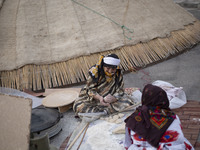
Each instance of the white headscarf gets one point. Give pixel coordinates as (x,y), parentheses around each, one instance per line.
(111,59)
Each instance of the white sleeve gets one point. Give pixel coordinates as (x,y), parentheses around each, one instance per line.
(128,141)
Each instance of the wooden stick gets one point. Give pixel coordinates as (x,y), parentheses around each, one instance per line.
(83,137)
(75,139)
(130,107)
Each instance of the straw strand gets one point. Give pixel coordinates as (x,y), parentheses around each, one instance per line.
(37,77)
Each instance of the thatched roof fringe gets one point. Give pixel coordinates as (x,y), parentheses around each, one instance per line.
(37,77)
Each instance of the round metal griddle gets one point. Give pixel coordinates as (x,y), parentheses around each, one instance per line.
(45,120)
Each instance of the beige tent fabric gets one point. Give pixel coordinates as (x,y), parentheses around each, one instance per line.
(59,32)
(1,3)
(44,32)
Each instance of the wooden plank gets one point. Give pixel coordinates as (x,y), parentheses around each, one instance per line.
(63,109)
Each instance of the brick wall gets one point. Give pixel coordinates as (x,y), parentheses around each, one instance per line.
(189,115)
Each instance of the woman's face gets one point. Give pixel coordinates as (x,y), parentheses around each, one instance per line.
(110,70)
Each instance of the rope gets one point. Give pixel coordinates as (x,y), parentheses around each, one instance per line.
(123,27)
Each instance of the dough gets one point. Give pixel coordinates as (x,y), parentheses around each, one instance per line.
(120,129)
(115,117)
(118,121)
(102,118)
(100,137)
(106,119)
(112,120)
(120,115)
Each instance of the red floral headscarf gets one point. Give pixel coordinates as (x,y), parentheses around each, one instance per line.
(152,119)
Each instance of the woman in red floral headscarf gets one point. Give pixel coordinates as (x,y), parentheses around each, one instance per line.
(153,126)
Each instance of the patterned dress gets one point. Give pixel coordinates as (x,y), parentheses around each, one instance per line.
(98,83)
(172,139)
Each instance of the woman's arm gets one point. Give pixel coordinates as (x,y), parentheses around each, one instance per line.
(90,90)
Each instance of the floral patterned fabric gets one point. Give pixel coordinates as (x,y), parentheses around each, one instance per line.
(172,139)
(153,118)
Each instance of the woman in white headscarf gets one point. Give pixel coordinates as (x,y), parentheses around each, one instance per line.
(104,91)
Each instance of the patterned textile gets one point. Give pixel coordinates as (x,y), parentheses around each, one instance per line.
(172,139)
(159,117)
(98,83)
(152,119)
(86,102)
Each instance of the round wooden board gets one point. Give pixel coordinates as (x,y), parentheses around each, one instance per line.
(60,98)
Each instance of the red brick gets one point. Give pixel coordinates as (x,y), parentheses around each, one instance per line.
(192,131)
(66,140)
(192,106)
(179,113)
(195,116)
(193,102)
(63,146)
(192,113)
(188,136)
(184,117)
(188,122)
(194,136)
(65,143)
(176,110)
(197,145)
(195,119)
(191,126)
(190,109)
(192,142)
(184,125)
(197,148)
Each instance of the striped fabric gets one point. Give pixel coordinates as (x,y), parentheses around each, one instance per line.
(87,104)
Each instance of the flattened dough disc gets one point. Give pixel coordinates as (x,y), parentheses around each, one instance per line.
(60,98)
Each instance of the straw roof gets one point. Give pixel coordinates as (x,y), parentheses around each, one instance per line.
(51,43)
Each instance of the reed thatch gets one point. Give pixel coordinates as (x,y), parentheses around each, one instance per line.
(59,52)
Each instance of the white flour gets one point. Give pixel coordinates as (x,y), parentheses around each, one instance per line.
(99,137)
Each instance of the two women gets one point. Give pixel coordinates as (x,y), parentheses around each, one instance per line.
(104,91)
(153,126)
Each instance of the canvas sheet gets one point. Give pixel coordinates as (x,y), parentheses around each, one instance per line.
(15,123)
(13,92)
(49,31)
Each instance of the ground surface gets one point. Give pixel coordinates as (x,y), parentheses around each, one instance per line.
(181,71)
(189,115)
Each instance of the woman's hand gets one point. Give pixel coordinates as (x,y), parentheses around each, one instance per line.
(103,102)
(101,99)
(110,99)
